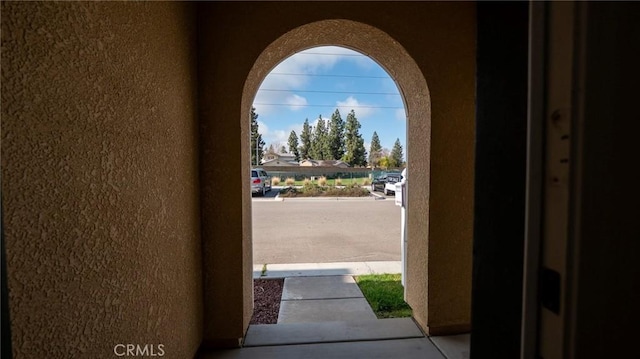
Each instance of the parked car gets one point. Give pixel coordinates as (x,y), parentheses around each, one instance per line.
(260,181)
(377,184)
(380,183)
(390,186)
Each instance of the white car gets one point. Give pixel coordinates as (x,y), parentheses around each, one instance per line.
(390,185)
(260,181)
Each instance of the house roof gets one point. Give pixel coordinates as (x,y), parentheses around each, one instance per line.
(279,162)
(282,156)
(327,163)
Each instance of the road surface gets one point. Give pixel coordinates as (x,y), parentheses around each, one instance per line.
(319,231)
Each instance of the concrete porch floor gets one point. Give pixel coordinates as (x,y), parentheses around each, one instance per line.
(401,348)
(326,316)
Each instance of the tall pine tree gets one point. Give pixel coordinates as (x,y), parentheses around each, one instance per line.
(293,145)
(396,158)
(319,143)
(257,144)
(355,154)
(336,136)
(305,141)
(375,151)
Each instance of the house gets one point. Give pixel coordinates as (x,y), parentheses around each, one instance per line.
(279,159)
(279,162)
(282,157)
(120,225)
(323,163)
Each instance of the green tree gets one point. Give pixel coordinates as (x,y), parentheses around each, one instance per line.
(336,136)
(375,151)
(384,162)
(396,159)
(257,144)
(293,145)
(283,149)
(305,139)
(355,154)
(320,142)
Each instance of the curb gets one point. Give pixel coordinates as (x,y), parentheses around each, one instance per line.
(369,198)
(325,269)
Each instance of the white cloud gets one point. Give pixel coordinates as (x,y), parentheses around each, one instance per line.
(282,136)
(296,102)
(305,62)
(336,53)
(275,137)
(351,103)
(401,114)
(262,129)
(264,97)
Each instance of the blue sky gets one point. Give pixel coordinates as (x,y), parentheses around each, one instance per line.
(317,81)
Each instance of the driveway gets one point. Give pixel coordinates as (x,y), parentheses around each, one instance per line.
(321,230)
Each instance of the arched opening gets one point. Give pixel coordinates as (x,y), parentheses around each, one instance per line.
(319,96)
(413,87)
(440,157)
(332,118)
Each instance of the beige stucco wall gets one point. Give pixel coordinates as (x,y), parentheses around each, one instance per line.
(99,177)
(440,37)
(100,167)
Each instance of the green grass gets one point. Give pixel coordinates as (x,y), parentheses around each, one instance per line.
(384,292)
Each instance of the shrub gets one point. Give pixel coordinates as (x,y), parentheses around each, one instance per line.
(311,190)
(314,190)
(322,181)
(306,182)
(289,192)
(290,181)
(348,191)
(338,181)
(366,182)
(275,181)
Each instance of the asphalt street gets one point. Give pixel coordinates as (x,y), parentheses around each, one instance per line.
(319,231)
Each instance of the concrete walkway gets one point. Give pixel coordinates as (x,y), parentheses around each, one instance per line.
(323,299)
(327,316)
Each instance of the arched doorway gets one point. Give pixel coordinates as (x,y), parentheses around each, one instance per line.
(439,147)
(413,88)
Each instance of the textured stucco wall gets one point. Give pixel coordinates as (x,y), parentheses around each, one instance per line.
(99,177)
(448,53)
(440,37)
(226,229)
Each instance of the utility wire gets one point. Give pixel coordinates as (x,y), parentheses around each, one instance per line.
(332,106)
(340,92)
(327,53)
(327,75)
